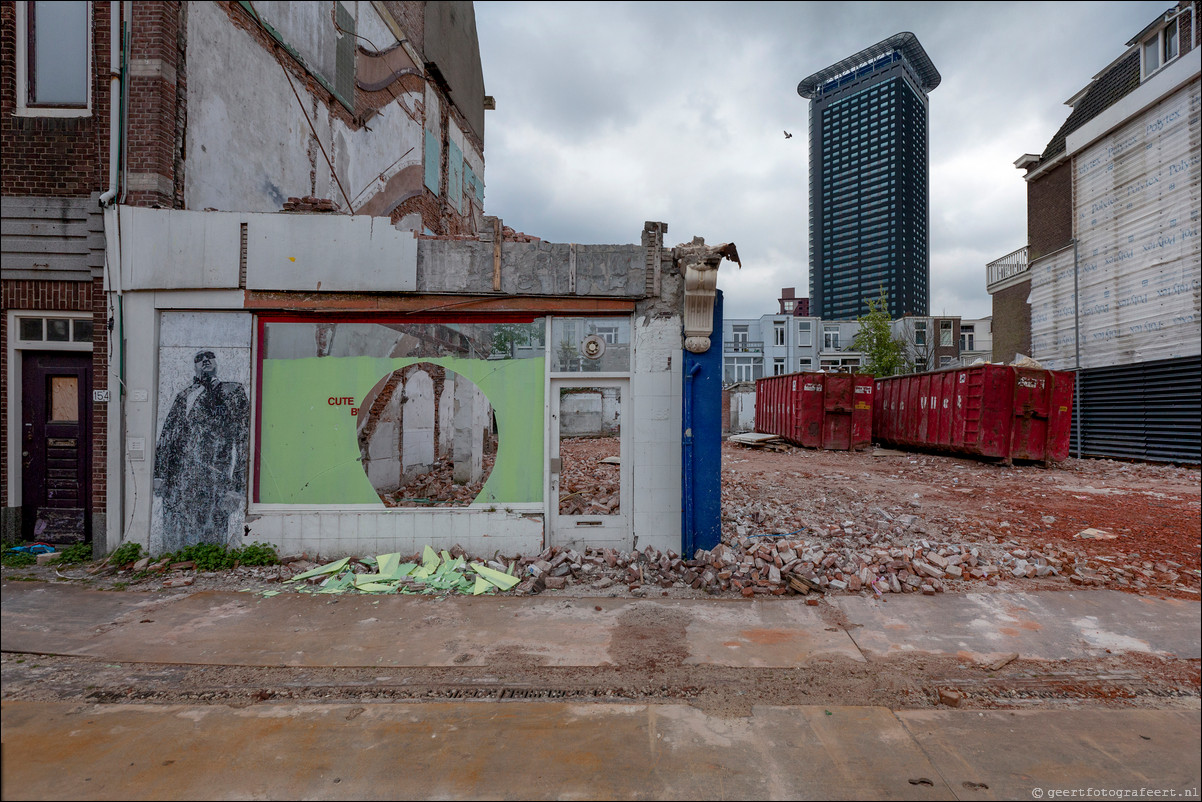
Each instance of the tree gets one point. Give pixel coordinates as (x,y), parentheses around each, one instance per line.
(884,353)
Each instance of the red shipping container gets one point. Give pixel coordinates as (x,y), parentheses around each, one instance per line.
(994,411)
(817,410)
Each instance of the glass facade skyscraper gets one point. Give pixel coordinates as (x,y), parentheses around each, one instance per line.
(869,197)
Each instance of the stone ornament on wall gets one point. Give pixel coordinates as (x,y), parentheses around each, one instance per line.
(698,263)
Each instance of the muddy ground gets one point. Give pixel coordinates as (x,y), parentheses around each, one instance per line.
(1145,520)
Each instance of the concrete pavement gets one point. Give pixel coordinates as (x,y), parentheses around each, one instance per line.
(514,749)
(226,628)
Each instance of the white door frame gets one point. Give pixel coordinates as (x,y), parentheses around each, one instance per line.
(578,531)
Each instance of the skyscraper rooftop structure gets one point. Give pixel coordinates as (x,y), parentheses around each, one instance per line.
(869,196)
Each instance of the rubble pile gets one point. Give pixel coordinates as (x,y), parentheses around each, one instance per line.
(779,566)
(589,483)
(805,523)
(437,487)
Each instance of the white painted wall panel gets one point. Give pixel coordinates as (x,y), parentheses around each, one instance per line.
(334,253)
(1136,217)
(173,250)
(656,401)
(247,140)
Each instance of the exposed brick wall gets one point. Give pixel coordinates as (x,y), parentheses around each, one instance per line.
(100,381)
(54,156)
(1050,211)
(152,113)
(1011,322)
(1187,32)
(412,18)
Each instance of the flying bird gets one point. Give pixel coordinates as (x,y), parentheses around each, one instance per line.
(788,135)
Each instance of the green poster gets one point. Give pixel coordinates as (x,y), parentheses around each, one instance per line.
(308,443)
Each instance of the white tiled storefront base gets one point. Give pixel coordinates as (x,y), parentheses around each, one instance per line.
(359,532)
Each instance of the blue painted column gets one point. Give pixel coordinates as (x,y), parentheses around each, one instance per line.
(701,459)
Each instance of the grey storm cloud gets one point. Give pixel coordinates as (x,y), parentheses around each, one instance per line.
(610,114)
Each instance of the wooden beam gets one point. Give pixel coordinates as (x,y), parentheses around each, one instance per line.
(343,303)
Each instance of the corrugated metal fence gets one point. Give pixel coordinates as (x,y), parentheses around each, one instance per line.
(1149,411)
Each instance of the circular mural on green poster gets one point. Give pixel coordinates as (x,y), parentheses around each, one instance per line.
(427,437)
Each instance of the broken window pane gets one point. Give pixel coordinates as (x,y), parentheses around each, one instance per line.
(590,437)
(590,345)
(407,414)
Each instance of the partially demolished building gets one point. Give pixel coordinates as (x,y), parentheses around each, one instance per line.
(308,332)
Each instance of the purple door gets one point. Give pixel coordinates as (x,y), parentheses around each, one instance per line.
(56,446)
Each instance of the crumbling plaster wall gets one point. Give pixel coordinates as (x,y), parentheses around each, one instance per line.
(655,410)
(531,268)
(249,146)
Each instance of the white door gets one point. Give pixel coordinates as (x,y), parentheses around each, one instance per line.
(589,499)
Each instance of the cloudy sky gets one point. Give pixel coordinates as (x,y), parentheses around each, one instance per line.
(610,114)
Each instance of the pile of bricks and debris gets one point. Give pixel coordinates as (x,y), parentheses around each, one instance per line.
(310,203)
(747,565)
(589,482)
(437,487)
(750,566)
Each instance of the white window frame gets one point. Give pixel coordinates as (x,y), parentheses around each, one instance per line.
(1157,43)
(741,369)
(778,332)
(945,333)
(23,109)
(830,338)
(805,333)
(608,333)
(967,337)
(778,366)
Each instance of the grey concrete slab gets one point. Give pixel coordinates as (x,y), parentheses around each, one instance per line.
(769,634)
(844,753)
(225,628)
(66,618)
(1046,754)
(1046,625)
(499,750)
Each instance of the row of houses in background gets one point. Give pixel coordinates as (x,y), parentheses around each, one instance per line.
(1109,281)
(788,342)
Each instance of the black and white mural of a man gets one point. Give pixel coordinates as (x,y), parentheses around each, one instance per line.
(200,460)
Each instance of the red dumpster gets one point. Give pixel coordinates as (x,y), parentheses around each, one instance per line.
(994,411)
(818,410)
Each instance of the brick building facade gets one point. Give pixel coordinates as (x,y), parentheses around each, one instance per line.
(1111,262)
(55,167)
